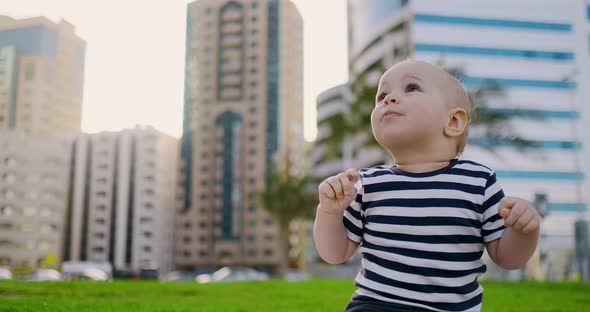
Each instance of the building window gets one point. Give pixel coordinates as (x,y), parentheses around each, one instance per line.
(268,237)
(9,178)
(8,194)
(6,211)
(187,225)
(251,253)
(186,254)
(29,72)
(231,51)
(252,238)
(268,252)
(147,249)
(202,253)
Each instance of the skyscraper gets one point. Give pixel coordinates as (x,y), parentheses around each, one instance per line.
(243,116)
(41,76)
(122,199)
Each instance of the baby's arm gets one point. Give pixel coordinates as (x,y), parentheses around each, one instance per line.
(336,194)
(518,243)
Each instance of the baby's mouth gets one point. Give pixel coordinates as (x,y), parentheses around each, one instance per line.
(391,114)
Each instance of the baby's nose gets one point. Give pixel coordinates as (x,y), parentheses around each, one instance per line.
(391,99)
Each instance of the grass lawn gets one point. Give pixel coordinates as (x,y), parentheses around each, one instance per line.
(314,295)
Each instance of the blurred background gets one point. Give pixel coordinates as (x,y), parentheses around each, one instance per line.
(181,140)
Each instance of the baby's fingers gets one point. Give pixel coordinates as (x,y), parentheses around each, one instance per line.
(352,174)
(326,190)
(347,186)
(335,184)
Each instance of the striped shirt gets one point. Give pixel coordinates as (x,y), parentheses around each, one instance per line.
(422,235)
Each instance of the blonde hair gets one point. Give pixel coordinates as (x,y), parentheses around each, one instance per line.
(464,103)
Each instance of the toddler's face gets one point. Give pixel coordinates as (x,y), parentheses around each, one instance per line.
(410,105)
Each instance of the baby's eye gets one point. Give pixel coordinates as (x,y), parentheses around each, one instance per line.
(381,97)
(412,87)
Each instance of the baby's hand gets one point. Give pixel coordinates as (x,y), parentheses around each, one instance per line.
(337,192)
(519,215)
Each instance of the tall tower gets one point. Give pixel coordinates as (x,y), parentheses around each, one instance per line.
(243,116)
(41,76)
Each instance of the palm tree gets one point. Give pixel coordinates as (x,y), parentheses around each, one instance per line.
(356,123)
(287,198)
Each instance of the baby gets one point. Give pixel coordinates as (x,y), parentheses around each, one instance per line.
(422,224)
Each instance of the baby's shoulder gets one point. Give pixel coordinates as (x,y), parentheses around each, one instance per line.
(472,165)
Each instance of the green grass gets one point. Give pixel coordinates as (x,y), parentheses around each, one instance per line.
(315,295)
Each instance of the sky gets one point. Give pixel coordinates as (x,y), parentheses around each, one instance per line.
(134,71)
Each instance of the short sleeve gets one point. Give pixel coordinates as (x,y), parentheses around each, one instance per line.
(353,215)
(492,222)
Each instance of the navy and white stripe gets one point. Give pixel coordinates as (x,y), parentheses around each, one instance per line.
(422,235)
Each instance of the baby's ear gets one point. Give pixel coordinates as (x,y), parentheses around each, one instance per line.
(456,123)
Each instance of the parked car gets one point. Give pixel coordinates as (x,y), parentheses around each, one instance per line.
(176,276)
(44,275)
(90,270)
(5,273)
(232,274)
(87,274)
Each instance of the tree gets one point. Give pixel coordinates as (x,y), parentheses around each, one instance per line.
(287,198)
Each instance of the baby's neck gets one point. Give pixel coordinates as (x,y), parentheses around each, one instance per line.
(419,167)
(424,157)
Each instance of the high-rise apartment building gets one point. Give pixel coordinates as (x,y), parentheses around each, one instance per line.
(34,175)
(122,201)
(41,76)
(243,116)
